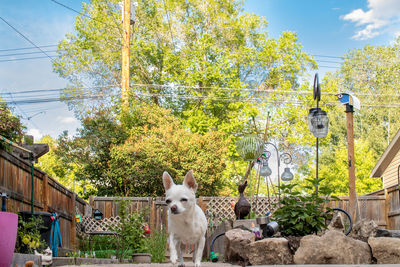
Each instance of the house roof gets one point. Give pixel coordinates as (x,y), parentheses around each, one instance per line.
(387,156)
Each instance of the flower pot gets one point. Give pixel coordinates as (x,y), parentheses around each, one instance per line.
(141,257)
(8,226)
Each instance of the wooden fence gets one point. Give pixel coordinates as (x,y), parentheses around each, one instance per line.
(48,194)
(382,206)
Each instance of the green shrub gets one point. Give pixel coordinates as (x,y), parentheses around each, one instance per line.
(156,245)
(131,231)
(29,238)
(302,213)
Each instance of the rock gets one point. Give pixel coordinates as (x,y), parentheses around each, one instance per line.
(387,233)
(364,228)
(236,241)
(269,251)
(386,250)
(336,223)
(332,248)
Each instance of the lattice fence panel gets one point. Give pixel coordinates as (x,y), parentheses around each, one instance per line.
(89,224)
(222,208)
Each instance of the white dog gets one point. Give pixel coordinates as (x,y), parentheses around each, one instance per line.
(187,223)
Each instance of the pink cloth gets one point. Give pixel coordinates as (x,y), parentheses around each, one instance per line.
(8,236)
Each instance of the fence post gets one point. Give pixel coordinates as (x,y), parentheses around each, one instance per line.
(45,192)
(153,213)
(91,201)
(73,223)
(202,204)
(387,209)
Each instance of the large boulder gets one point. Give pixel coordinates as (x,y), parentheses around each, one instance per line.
(386,250)
(332,248)
(269,251)
(364,228)
(236,241)
(380,232)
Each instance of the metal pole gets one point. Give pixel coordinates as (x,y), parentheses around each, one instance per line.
(316,170)
(32,180)
(278,163)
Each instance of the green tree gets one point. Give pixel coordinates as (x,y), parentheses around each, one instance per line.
(206,61)
(132,163)
(64,172)
(10,124)
(89,152)
(162,144)
(372,74)
(180,51)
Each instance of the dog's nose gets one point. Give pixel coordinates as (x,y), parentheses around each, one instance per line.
(174,208)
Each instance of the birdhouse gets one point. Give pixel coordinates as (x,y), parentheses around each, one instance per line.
(97,214)
(78,218)
(349,99)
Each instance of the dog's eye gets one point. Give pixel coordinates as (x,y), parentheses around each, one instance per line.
(168,201)
(183,199)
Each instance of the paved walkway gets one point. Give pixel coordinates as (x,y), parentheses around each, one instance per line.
(218,264)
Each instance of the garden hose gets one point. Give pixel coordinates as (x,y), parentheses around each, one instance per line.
(213,257)
(55,234)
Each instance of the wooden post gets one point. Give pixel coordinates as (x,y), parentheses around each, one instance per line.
(45,193)
(387,209)
(125,56)
(351,162)
(73,222)
(91,201)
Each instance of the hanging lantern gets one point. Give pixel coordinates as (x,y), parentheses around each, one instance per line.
(250,147)
(287,175)
(265,170)
(318,122)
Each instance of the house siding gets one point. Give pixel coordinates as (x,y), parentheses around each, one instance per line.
(390,175)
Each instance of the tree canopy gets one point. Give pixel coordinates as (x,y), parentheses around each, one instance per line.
(202,75)
(208,62)
(10,124)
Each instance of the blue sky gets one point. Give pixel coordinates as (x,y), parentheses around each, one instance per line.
(324,27)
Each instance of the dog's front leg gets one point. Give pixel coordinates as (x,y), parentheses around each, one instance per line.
(173,245)
(179,248)
(199,251)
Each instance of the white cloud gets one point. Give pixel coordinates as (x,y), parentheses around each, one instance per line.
(67,119)
(37,134)
(380,17)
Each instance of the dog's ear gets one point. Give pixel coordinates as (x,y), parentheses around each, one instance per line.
(167,181)
(189,181)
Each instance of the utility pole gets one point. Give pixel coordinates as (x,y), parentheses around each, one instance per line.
(126,24)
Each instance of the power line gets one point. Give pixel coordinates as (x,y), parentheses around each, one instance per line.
(26,53)
(26,38)
(327,61)
(25,48)
(82,14)
(192,97)
(172,86)
(326,56)
(27,58)
(331,67)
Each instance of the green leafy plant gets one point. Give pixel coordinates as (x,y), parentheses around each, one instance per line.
(157,245)
(131,231)
(302,213)
(29,238)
